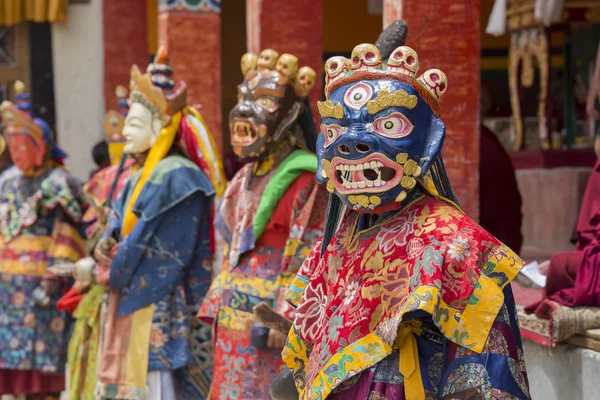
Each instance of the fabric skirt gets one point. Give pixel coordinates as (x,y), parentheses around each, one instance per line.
(30,382)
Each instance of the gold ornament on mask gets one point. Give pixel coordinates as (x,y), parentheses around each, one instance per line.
(328,110)
(402,66)
(267,59)
(285,67)
(385,99)
(330,186)
(411,171)
(325,165)
(400,198)
(249,62)
(364,201)
(143,91)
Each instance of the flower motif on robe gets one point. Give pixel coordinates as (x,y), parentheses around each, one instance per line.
(312,311)
(395,235)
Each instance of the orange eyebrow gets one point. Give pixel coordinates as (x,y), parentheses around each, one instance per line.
(269,92)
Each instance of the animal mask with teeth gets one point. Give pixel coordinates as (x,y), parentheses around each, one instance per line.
(380,128)
(271,99)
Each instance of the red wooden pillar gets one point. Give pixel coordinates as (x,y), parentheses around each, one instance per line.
(292,26)
(192,35)
(445,34)
(125,43)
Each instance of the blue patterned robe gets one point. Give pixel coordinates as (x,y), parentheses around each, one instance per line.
(166,261)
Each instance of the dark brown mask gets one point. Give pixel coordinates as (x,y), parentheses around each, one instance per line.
(270,100)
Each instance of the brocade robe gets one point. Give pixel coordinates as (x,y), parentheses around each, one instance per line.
(269,224)
(40,222)
(418,306)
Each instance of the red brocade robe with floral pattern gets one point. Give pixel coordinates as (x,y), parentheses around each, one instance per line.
(417,306)
(255,270)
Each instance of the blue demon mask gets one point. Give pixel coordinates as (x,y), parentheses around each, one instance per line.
(381,128)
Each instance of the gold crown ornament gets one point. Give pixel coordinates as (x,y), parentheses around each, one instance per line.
(284,67)
(16,117)
(113,124)
(161,74)
(143,91)
(365,63)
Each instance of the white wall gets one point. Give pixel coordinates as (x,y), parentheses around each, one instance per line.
(562,373)
(78,58)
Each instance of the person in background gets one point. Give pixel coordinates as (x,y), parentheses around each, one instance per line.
(5,161)
(572,276)
(156,254)
(270,217)
(100,156)
(41,210)
(499,197)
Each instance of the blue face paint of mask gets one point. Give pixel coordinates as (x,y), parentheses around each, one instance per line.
(386,139)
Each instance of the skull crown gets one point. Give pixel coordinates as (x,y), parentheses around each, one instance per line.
(366,63)
(284,65)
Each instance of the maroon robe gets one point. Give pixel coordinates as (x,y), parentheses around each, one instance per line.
(499,197)
(573,278)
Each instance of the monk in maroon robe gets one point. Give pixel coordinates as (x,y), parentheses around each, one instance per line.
(499,197)
(573,278)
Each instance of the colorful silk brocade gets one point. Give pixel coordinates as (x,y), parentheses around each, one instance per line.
(261,259)
(83,345)
(161,271)
(416,307)
(40,222)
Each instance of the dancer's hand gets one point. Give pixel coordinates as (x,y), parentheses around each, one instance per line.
(276,339)
(103,267)
(102,251)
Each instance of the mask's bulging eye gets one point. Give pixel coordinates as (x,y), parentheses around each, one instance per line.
(267,103)
(358,95)
(394,126)
(331,133)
